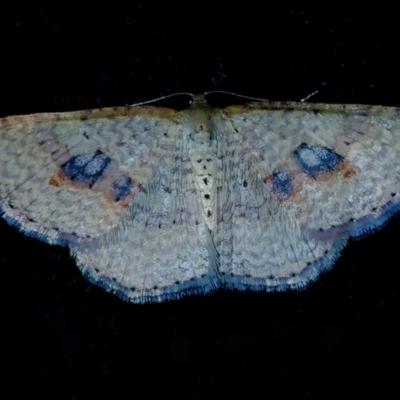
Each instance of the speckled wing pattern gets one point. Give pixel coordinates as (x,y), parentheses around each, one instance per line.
(296,181)
(155,203)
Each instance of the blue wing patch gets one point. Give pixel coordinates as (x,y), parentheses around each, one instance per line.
(121,188)
(282,183)
(86,168)
(317,160)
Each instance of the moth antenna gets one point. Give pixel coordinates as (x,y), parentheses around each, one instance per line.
(310,95)
(161,98)
(235,94)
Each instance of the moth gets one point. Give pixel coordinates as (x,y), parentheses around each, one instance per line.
(156,203)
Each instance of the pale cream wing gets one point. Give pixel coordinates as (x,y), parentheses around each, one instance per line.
(162,249)
(296,181)
(115,186)
(71,176)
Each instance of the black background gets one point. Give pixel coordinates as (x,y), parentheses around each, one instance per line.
(62,337)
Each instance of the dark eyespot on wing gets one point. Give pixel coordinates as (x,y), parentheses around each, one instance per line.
(282,183)
(86,168)
(316,160)
(121,188)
